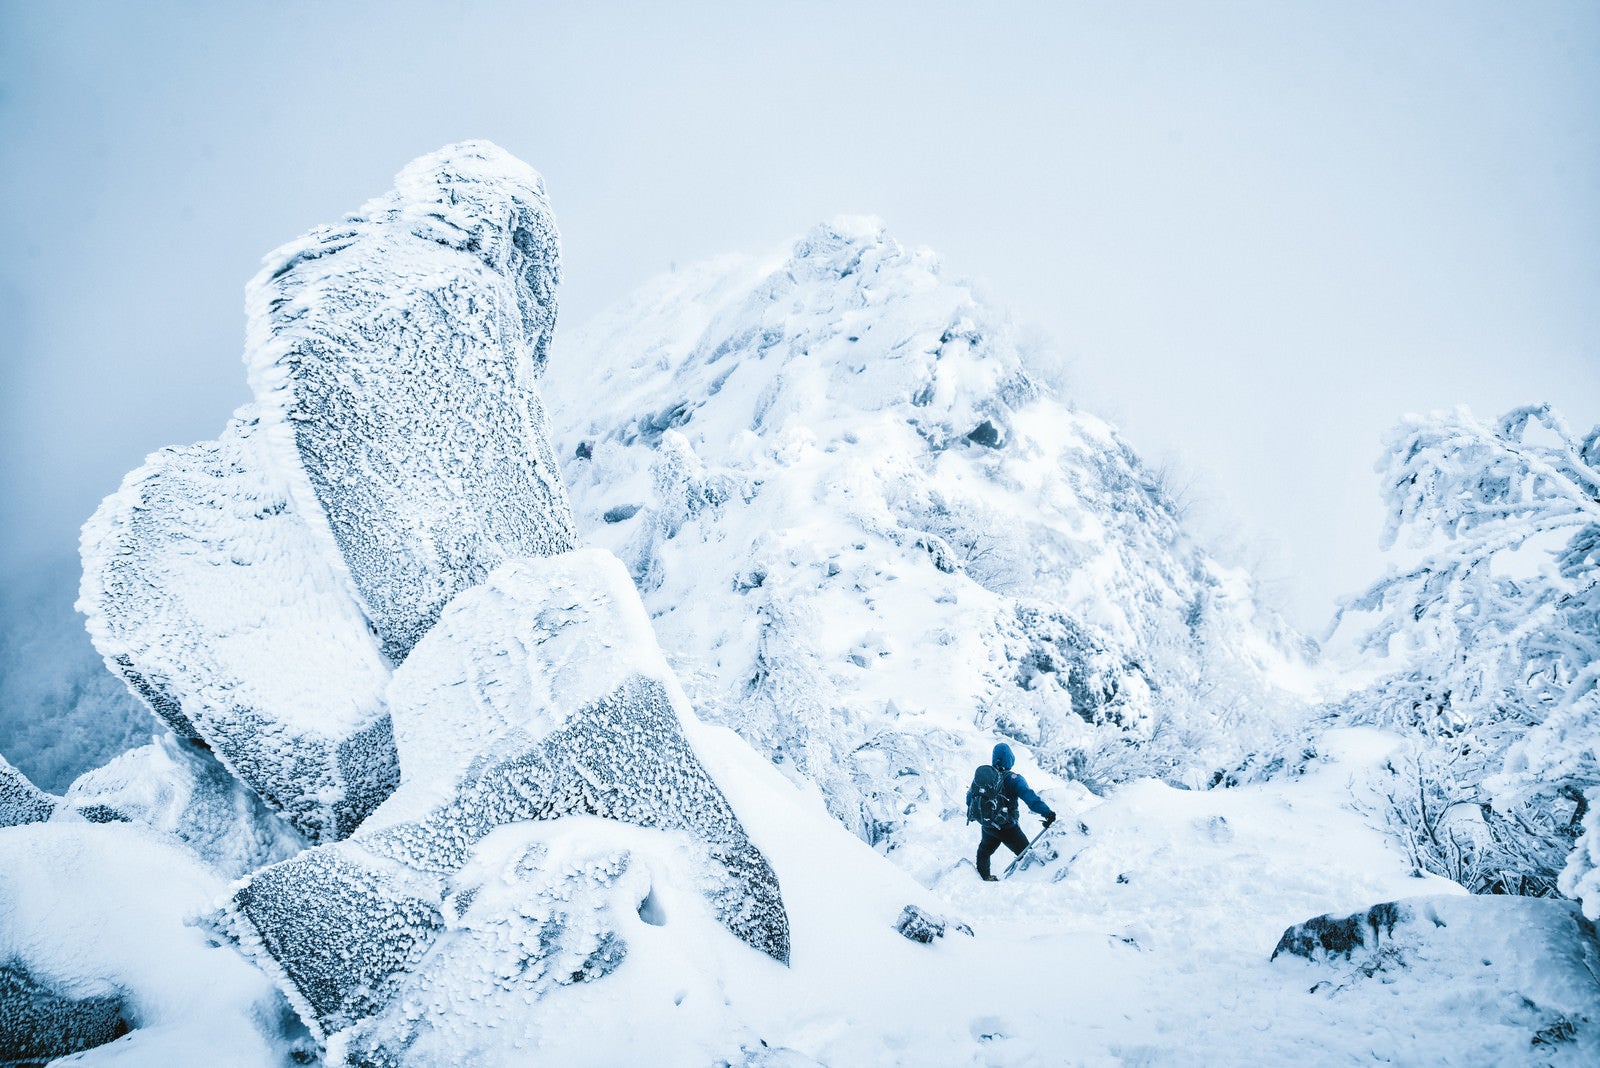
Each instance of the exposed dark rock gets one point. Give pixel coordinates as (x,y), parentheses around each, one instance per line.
(620,513)
(985,434)
(919,925)
(37,1024)
(1329,936)
(21,801)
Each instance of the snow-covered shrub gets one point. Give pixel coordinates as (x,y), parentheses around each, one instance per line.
(1497,629)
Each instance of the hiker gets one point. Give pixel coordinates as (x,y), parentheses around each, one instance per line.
(992,801)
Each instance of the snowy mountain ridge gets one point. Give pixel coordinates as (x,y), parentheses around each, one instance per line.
(872,541)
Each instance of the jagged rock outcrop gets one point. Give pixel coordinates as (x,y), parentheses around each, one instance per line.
(920,925)
(259,592)
(873,540)
(206,589)
(255,590)
(20,801)
(538,695)
(395,355)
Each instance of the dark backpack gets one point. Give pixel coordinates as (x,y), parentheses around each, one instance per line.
(985,802)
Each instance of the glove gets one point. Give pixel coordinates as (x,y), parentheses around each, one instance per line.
(1049,818)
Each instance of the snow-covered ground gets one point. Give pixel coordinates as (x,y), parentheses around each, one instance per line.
(1147,942)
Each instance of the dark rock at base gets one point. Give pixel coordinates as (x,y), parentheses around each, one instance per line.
(37,1024)
(20,801)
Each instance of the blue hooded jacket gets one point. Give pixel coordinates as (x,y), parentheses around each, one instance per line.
(1014,786)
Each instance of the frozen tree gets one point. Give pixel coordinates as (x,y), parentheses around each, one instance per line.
(1499,624)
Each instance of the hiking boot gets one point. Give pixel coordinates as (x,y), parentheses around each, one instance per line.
(991,879)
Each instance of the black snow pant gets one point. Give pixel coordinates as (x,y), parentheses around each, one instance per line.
(1010,834)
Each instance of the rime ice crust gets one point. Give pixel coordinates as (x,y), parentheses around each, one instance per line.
(577,717)
(397,355)
(205,589)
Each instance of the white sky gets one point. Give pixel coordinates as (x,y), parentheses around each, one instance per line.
(1262,231)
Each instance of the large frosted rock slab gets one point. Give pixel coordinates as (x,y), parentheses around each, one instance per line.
(20,801)
(209,593)
(539,695)
(396,354)
(179,788)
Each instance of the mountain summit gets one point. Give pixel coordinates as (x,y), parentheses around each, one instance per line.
(874,540)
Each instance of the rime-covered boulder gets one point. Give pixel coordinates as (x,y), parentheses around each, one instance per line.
(20,801)
(179,788)
(395,354)
(207,590)
(95,943)
(538,695)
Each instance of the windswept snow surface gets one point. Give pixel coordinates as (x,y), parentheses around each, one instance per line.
(1147,942)
(873,543)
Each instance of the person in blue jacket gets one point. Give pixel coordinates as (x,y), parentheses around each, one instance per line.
(1012,787)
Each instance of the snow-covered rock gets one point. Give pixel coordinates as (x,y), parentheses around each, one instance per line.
(205,587)
(538,695)
(872,540)
(20,801)
(1531,964)
(177,787)
(255,590)
(920,925)
(395,356)
(94,942)
(37,1024)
